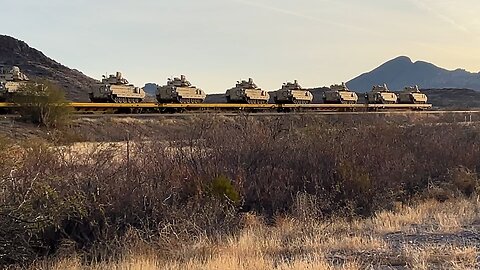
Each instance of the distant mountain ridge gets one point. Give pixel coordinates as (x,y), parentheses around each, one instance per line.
(36,65)
(401,71)
(150,88)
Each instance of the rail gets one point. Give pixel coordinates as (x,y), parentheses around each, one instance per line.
(89,106)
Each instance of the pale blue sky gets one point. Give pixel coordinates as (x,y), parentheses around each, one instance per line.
(217,42)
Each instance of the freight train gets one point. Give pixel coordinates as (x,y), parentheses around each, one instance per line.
(116,89)
(180,90)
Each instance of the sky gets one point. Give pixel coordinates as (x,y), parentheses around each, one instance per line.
(217,42)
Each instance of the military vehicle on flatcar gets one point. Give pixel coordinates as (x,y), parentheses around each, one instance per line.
(339,94)
(247,92)
(381,95)
(116,89)
(292,93)
(11,82)
(412,95)
(179,90)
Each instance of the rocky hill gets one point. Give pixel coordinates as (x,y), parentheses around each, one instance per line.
(38,66)
(401,71)
(449,98)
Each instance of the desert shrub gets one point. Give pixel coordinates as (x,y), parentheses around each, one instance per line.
(222,188)
(43,103)
(464,180)
(440,192)
(30,202)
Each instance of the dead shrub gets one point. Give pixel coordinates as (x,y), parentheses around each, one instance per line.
(464,180)
(440,192)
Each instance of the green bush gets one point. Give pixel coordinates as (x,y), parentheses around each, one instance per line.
(43,103)
(222,188)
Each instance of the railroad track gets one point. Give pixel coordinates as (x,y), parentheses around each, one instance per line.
(89,107)
(267,114)
(459,116)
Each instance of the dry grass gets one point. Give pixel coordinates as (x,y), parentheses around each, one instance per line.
(310,244)
(445,257)
(430,216)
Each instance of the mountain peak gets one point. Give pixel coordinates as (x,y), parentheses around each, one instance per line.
(402,59)
(401,71)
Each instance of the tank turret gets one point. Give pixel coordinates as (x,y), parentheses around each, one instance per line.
(247,92)
(339,93)
(292,93)
(411,89)
(13,74)
(381,95)
(339,87)
(247,84)
(117,89)
(116,79)
(179,90)
(380,88)
(179,82)
(17,75)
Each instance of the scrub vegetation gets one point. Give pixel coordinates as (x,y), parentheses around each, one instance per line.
(244,193)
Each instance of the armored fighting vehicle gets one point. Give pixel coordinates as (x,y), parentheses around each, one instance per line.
(179,90)
(381,95)
(292,93)
(412,95)
(115,88)
(11,81)
(340,94)
(247,92)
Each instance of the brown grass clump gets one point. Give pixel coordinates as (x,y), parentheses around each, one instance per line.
(430,216)
(442,257)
